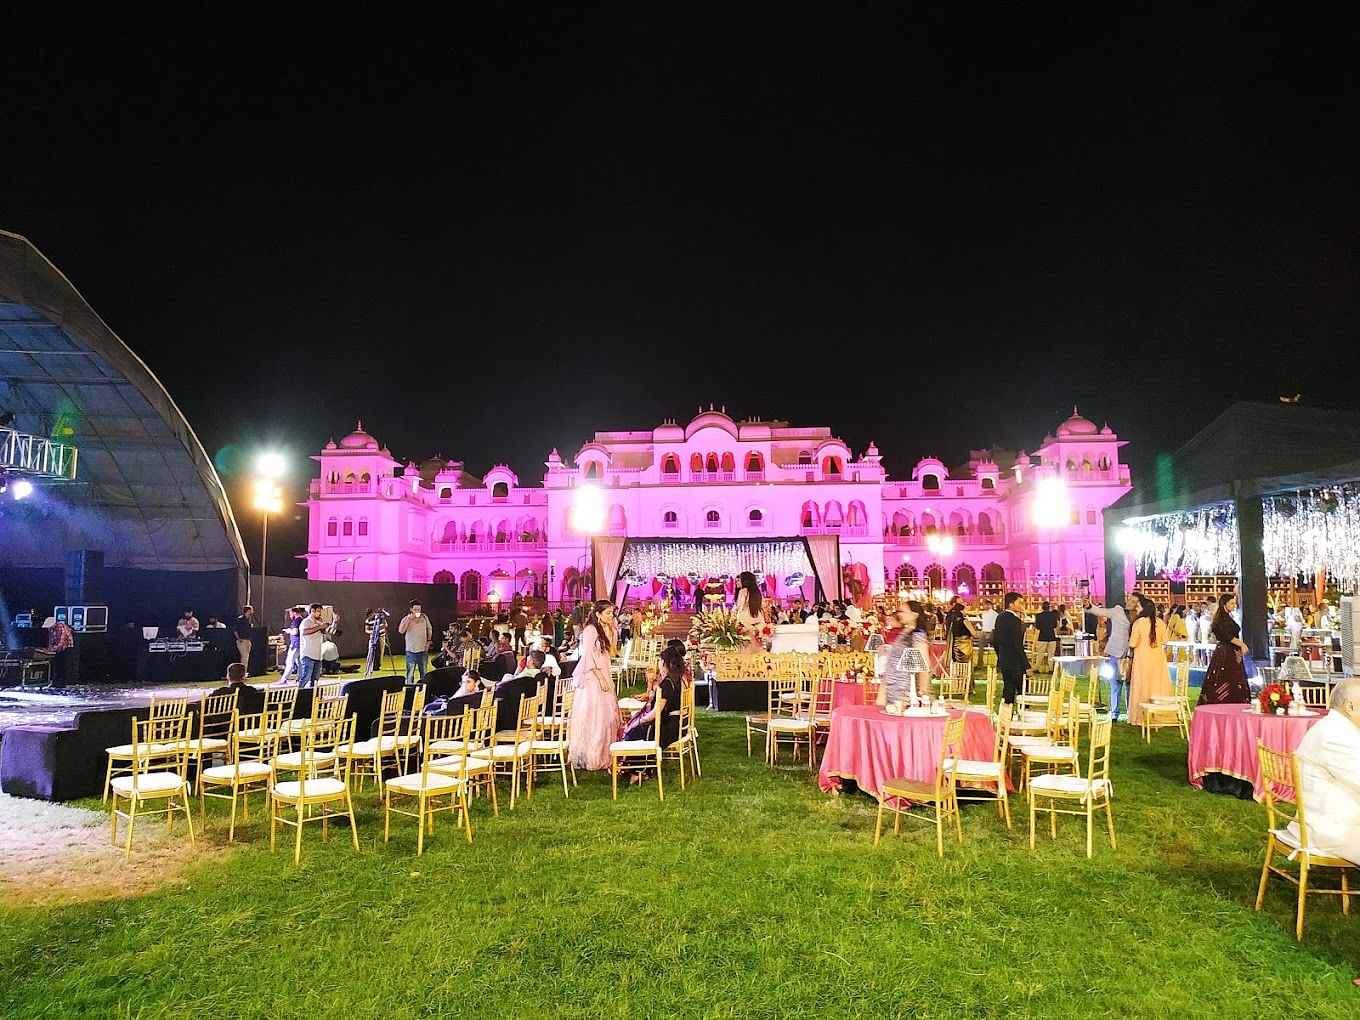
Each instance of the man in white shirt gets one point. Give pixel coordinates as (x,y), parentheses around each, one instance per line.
(419,634)
(989,615)
(1329,772)
(311,635)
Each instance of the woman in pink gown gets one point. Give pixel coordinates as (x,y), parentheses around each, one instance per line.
(595,711)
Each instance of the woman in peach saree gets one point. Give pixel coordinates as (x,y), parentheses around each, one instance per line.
(1150,675)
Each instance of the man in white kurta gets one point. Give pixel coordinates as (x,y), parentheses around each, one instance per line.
(1329,772)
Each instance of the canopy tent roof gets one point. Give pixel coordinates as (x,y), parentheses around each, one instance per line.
(1249,449)
(146,493)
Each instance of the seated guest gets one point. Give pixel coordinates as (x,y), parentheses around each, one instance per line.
(662,686)
(249,700)
(330,658)
(1329,771)
(550,663)
(215,624)
(468,695)
(510,690)
(501,663)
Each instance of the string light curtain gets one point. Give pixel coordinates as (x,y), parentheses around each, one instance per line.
(1305,532)
(711,559)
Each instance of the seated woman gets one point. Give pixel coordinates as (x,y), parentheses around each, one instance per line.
(662,686)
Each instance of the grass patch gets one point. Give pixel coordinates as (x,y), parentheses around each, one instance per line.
(749,895)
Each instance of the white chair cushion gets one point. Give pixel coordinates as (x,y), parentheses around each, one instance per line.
(1159,706)
(1070,786)
(556,720)
(455,761)
(447,746)
(1029,743)
(293,759)
(1054,752)
(974,769)
(632,704)
(796,724)
(434,782)
(125,750)
(634,747)
(503,752)
(207,745)
(247,770)
(149,784)
(545,746)
(315,788)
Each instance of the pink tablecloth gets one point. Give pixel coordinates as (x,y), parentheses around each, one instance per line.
(847,692)
(1223,739)
(871,747)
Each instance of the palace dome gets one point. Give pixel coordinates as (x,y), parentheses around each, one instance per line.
(1077,426)
(358,440)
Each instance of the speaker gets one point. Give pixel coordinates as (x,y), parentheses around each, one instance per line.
(84,577)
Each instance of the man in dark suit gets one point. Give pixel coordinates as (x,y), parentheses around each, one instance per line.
(1009,641)
(510,690)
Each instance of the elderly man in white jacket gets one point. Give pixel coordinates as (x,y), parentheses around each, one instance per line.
(1329,772)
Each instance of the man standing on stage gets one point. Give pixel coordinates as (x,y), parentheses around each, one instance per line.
(244,629)
(415,627)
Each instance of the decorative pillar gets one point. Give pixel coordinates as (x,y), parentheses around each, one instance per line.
(1251,572)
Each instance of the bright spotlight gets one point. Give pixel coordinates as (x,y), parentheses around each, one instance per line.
(1051,507)
(1128,540)
(22,488)
(587,512)
(271,464)
(1106,671)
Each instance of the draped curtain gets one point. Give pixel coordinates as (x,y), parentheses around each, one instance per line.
(607,554)
(825,553)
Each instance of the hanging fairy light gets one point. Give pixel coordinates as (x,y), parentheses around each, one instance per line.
(697,560)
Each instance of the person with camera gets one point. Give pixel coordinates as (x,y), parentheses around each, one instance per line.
(375,626)
(415,626)
(311,635)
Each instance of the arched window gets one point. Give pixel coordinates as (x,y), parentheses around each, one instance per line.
(985,525)
(994,573)
(501,490)
(831,465)
(856,515)
(593,469)
(363,527)
(810,515)
(1071,464)
(753,463)
(712,463)
(804,458)
(670,464)
(365,477)
(446,493)
(989,483)
(755,518)
(618,520)
(930,483)
(347,529)
(1090,517)
(670,519)
(696,462)
(470,587)
(728,464)
(1103,463)
(442,577)
(712,519)
(832,516)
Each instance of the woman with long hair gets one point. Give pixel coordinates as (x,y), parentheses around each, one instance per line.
(664,683)
(906,673)
(1225,682)
(748,611)
(595,712)
(1149,676)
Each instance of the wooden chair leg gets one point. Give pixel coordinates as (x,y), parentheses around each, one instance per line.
(878,825)
(1303,897)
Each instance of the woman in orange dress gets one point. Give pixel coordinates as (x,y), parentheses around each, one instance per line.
(1150,675)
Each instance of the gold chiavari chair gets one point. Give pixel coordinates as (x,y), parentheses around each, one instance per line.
(1091,792)
(797,729)
(324,714)
(775,707)
(507,756)
(687,743)
(994,771)
(957,686)
(275,716)
(476,772)
(1036,690)
(321,792)
(548,751)
(215,723)
(899,795)
(1169,710)
(250,768)
(157,770)
(1059,750)
(432,789)
(164,719)
(648,751)
(1316,695)
(1280,776)
(397,737)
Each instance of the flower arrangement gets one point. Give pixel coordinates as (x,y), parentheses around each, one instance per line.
(717,627)
(1274,697)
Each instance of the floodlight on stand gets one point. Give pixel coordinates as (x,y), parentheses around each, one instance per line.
(22,488)
(271,464)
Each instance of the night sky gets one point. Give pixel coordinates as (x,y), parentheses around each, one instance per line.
(488,238)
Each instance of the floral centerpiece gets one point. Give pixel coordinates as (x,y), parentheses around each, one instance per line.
(1274,697)
(718,628)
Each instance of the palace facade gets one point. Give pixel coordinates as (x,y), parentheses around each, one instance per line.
(970,529)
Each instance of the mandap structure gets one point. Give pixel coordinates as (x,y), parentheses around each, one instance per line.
(1264,500)
(144,525)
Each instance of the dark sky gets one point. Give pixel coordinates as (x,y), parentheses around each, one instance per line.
(491,237)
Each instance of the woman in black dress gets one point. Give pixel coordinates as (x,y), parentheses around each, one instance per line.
(1226,681)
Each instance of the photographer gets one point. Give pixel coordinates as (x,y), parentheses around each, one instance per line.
(375,626)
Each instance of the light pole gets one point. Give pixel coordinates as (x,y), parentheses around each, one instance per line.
(941,546)
(268,500)
(1050,511)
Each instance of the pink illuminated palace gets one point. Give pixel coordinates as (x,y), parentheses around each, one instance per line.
(719,479)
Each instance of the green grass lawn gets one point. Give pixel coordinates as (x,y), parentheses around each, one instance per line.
(751,894)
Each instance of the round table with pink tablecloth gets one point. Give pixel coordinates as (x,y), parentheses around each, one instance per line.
(847,692)
(1223,739)
(871,747)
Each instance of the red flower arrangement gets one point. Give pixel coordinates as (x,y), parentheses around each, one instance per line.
(767,630)
(1275,696)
